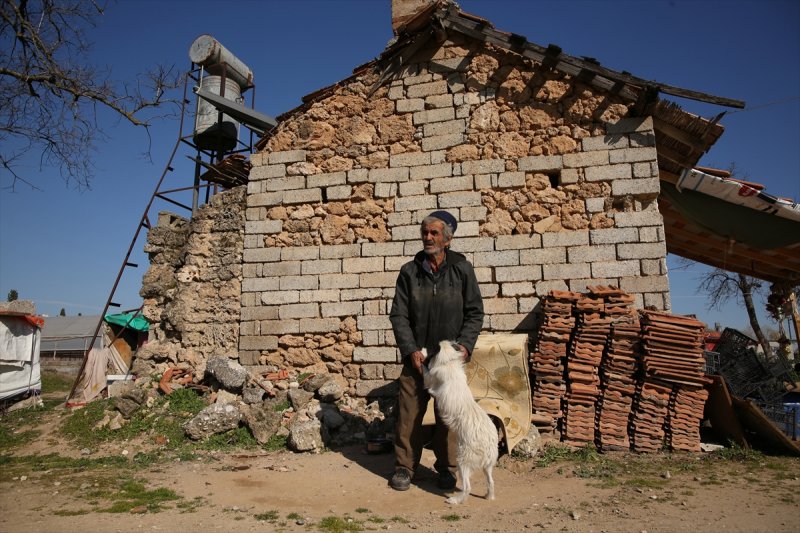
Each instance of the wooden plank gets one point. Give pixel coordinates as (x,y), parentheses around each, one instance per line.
(763,430)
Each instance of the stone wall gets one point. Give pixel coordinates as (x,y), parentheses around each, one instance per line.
(553,187)
(192,289)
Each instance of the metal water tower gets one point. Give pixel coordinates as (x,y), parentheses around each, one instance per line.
(223,75)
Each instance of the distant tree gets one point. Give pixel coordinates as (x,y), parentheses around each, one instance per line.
(721,286)
(62,312)
(50,94)
(13,295)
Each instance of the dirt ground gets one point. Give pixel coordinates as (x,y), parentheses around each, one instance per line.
(296,492)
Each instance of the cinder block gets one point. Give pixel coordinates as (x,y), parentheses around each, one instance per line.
(320,325)
(388,174)
(520,288)
(433,115)
(564,238)
(500,258)
(451,184)
(260,342)
(259,313)
(363,264)
(278,297)
(438,100)
(338,281)
(490,290)
(518,242)
(483,166)
(358,175)
(411,188)
(410,159)
(541,163)
(258,173)
(518,273)
(607,173)
(650,234)
(566,271)
(341,309)
(511,179)
(261,255)
(427,89)
(654,300)
(259,284)
(595,205)
(586,159)
(629,125)
(382,249)
(327,180)
(528,304)
(459,199)
(285,184)
(262,227)
(543,256)
(288,156)
(642,139)
(299,253)
(638,218)
(655,250)
(440,142)
(427,172)
(322,266)
(473,244)
(323,295)
(406,233)
(544,287)
(613,235)
(304,310)
(299,282)
(410,105)
(633,155)
(450,127)
(265,199)
(306,196)
(642,284)
(592,253)
(615,269)
(647,186)
(366,323)
(375,355)
(410,203)
(279,327)
(339,251)
(604,142)
(396,92)
(378,279)
(474,213)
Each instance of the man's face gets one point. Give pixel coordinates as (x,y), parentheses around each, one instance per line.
(433,239)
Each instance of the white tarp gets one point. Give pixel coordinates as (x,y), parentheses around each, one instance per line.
(19,356)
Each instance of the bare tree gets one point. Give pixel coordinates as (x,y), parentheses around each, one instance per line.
(50,96)
(721,286)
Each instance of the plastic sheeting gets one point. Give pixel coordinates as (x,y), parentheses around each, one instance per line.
(130,320)
(20,340)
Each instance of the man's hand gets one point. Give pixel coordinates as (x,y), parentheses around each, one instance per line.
(464,352)
(417,358)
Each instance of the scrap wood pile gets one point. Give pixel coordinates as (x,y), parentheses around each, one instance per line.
(232,171)
(605,374)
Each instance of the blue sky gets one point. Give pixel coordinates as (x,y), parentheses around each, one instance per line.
(62,248)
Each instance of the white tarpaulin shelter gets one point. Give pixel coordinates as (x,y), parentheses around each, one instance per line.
(20,338)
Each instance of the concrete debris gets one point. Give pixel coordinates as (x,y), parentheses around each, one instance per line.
(216,418)
(262,420)
(230,374)
(299,398)
(530,444)
(330,391)
(313,383)
(307,435)
(252,395)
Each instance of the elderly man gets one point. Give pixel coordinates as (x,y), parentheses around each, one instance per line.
(436,298)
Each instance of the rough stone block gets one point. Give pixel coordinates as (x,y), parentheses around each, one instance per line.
(540,163)
(283,268)
(514,322)
(259,313)
(492,306)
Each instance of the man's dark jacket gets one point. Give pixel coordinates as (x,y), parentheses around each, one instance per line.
(429,308)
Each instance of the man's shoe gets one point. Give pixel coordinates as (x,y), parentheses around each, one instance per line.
(401,480)
(446,481)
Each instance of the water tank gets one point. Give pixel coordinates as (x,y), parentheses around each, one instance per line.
(211,132)
(208,52)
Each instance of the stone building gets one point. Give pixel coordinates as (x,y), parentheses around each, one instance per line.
(550,163)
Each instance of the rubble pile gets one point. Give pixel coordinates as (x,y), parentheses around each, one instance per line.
(607,374)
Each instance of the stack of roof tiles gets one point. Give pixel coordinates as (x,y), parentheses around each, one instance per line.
(585,355)
(618,370)
(625,379)
(547,360)
(673,365)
